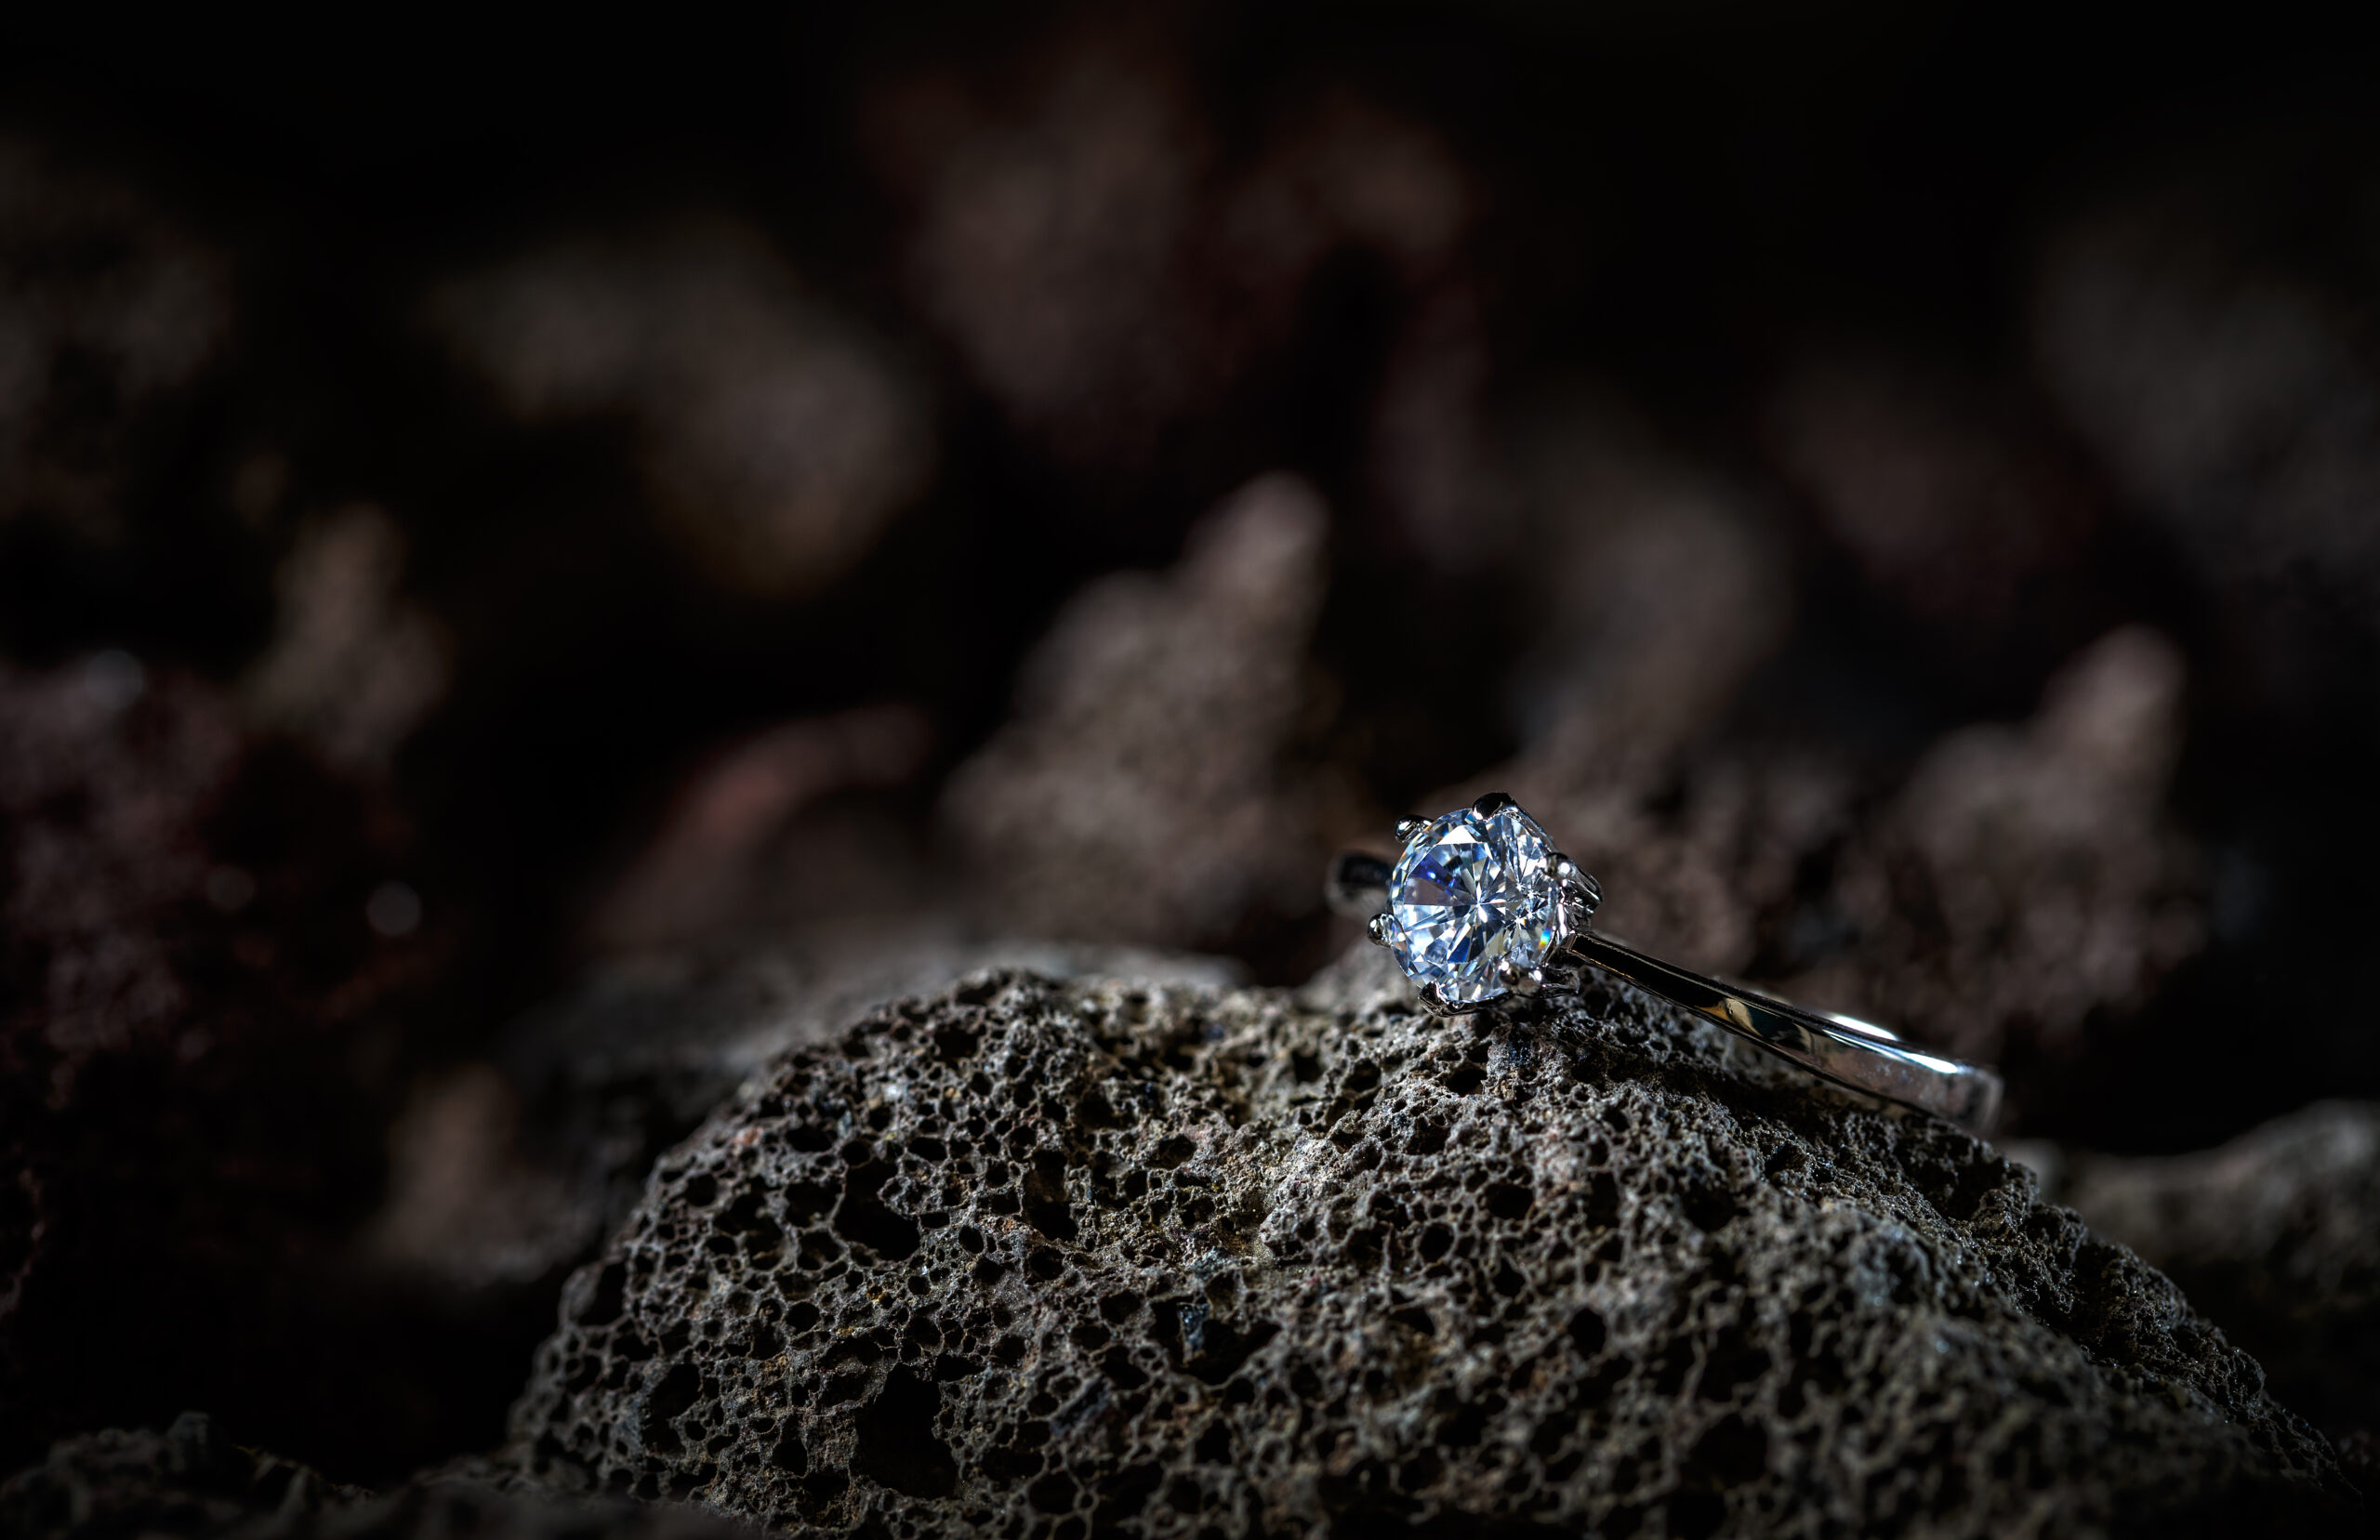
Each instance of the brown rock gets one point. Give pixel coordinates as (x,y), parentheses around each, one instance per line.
(1145,790)
(777,438)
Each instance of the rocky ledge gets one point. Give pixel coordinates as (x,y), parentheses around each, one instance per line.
(1041,1258)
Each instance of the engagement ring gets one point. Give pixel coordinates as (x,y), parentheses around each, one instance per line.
(1480,905)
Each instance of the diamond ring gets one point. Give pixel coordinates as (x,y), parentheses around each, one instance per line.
(1480,905)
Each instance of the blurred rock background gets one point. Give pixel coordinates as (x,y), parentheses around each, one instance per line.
(525,553)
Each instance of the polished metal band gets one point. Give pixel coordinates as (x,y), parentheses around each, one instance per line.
(1849,1052)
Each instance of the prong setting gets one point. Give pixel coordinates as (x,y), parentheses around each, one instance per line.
(1582,889)
(1437,1002)
(1478,907)
(1522,981)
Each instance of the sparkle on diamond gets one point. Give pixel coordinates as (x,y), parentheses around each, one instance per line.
(1470,893)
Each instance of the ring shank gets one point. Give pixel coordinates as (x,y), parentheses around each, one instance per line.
(1865,1060)
(1854,1053)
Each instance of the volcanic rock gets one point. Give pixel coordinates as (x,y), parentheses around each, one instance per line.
(1054,1259)
(2275,1235)
(509,1170)
(191,1480)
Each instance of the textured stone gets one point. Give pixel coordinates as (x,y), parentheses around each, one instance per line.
(508,1171)
(191,1480)
(2275,1235)
(1035,1258)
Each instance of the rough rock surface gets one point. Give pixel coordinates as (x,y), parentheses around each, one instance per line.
(193,1480)
(2275,1235)
(509,1170)
(1034,1259)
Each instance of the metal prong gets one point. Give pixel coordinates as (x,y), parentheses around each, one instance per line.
(1407,827)
(1380,929)
(1587,891)
(1443,1004)
(1491,804)
(1523,981)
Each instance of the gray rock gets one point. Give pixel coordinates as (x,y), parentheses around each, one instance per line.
(191,1480)
(1042,1258)
(506,1172)
(2275,1235)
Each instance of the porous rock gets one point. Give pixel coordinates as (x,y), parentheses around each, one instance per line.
(1062,1259)
(511,1170)
(193,1480)
(2275,1235)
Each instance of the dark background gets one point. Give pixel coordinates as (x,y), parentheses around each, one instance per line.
(1684,215)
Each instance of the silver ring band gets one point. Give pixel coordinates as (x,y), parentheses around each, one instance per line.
(1557,938)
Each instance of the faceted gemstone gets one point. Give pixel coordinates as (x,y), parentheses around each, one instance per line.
(1472,892)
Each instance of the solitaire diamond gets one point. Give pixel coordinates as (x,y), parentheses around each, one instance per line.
(1478,905)
(1472,896)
